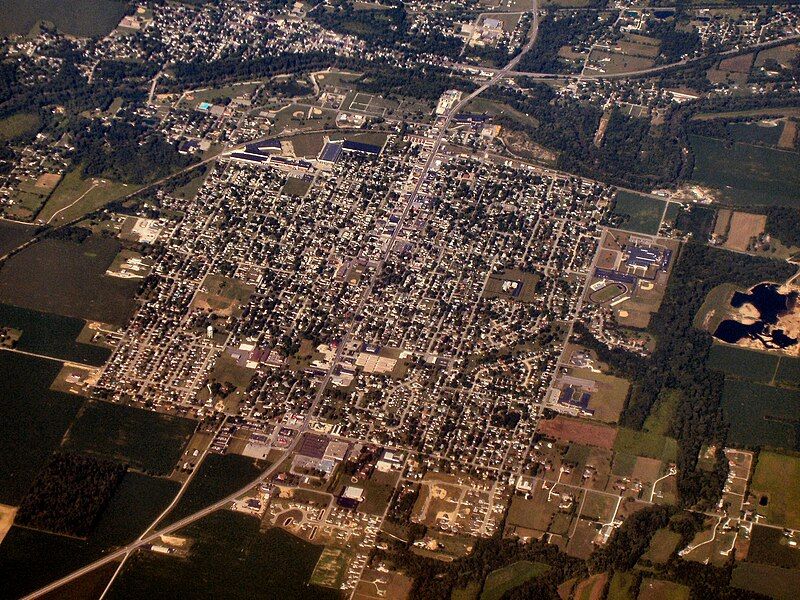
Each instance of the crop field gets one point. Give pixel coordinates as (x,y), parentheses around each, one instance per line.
(13,235)
(219,475)
(84,18)
(746,174)
(148,441)
(232,559)
(788,372)
(769,546)
(500,581)
(68,278)
(32,420)
(741,362)
(51,335)
(775,582)
(644,212)
(743,227)
(776,487)
(760,414)
(648,445)
(579,431)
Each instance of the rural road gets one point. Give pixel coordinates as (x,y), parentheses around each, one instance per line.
(122,552)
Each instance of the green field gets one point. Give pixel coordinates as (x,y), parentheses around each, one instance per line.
(781,584)
(75,197)
(30,559)
(148,441)
(760,414)
(755,133)
(622,586)
(77,17)
(68,278)
(769,546)
(656,589)
(32,420)
(661,415)
(744,363)
(231,558)
(650,445)
(19,124)
(662,545)
(777,478)
(745,174)
(219,475)
(500,581)
(788,372)
(51,335)
(13,235)
(643,212)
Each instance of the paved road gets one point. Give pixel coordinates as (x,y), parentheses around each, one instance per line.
(122,552)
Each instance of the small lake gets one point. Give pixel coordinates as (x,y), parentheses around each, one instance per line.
(770,305)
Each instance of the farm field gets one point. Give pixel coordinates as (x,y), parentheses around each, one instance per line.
(649,445)
(84,18)
(13,235)
(51,335)
(68,278)
(770,546)
(741,362)
(502,580)
(761,176)
(776,488)
(644,212)
(148,441)
(233,559)
(788,372)
(760,414)
(622,586)
(32,420)
(219,475)
(775,582)
(655,589)
(30,559)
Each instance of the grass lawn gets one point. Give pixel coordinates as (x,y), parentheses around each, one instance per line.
(500,581)
(651,445)
(662,545)
(75,197)
(146,440)
(656,589)
(18,125)
(622,586)
(776,486)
